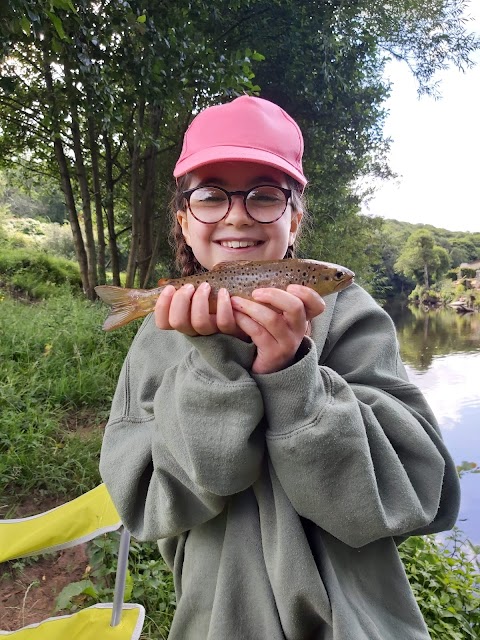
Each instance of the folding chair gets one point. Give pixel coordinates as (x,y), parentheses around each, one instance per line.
(68,525)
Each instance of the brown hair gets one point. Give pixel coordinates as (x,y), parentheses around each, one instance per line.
(185,261)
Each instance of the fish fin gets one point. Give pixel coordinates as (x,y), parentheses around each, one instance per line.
(123,307)
(164,281)
(234,263)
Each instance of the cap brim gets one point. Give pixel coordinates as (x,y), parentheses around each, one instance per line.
(239,154)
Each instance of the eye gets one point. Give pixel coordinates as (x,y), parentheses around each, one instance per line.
(339,275)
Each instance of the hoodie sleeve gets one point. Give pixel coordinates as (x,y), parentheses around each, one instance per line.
(354,444)
(184,433)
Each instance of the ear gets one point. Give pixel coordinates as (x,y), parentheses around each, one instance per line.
(183,222)
(294,226)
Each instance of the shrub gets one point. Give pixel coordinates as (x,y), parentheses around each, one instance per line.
(445,581)
(35,274)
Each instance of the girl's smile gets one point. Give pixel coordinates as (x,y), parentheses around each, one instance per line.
(238,236)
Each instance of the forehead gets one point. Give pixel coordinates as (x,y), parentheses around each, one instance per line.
(237,175)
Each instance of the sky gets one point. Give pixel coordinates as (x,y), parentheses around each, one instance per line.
(435,149)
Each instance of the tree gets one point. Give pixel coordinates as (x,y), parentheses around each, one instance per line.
(421,259)
(104,92)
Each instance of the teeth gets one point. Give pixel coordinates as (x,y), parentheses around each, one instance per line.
(238,244)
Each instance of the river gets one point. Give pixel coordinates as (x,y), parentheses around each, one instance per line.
(441,350)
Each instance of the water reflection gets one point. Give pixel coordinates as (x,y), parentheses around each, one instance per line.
(425,334)
(441,350)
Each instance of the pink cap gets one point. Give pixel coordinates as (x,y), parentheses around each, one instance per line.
(247,129)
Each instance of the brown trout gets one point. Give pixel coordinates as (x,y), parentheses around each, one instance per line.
(240,278)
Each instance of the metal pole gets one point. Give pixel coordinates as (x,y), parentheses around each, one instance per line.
(120,577)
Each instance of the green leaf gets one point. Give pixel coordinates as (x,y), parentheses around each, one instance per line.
(129,584)
(25,24)
(63,4)
(64,598)
(142,19)
(57,23)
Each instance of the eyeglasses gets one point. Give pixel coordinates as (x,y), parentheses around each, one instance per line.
(264,203)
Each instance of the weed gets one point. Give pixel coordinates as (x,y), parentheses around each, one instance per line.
(149,582)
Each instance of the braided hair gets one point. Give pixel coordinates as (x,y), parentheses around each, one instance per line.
(185,261)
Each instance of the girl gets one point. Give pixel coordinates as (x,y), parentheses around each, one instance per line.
(277,453)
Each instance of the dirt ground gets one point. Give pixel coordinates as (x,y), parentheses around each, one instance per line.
(29,596)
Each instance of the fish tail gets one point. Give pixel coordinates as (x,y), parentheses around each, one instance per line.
(124,305)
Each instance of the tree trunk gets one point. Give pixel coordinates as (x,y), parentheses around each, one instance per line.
(97,195)
(425,274)
(112,238)
(65,181)
(83,184)
(134,191)
(145,254)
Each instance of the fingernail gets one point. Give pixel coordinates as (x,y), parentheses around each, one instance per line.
(168,291)
(204,286)
(188,287)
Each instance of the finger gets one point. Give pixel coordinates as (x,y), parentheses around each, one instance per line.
(290,305)
(272,355)
(162,307)
(254,330)
(179,315)
(225,319)
(313,302)
(272,321)
(201,320)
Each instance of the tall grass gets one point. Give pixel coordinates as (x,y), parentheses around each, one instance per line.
(58,367)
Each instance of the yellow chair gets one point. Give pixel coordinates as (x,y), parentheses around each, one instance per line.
(72,523)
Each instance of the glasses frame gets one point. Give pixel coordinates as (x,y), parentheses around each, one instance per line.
(286,192)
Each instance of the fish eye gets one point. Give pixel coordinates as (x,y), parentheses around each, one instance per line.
(339,275)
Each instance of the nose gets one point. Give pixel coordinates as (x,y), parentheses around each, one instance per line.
(238,216)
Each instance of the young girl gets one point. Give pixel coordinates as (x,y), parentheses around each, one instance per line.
(277,453)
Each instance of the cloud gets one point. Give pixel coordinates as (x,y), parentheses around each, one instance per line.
(450,385)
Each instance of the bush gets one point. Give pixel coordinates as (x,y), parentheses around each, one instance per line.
(35,274)
(446,584)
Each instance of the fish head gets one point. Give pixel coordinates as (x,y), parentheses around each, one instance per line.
(331,278)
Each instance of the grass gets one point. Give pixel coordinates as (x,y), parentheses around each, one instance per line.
(56,363)
(58,375)
(59,372)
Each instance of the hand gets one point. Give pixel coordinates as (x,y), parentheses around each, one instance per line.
(186,310)
(276,330)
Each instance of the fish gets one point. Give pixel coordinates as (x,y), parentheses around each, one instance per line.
(240,278)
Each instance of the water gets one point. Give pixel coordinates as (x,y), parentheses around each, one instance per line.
(441,350)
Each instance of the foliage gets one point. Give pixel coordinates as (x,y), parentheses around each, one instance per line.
(32,195)
(149,582)
(446,585)
(422,259)
(35,274)
(96,96)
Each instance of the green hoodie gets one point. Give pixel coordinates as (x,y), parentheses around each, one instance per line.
(278,499)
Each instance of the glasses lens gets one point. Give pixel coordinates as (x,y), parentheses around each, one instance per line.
(266,204)
(209,204)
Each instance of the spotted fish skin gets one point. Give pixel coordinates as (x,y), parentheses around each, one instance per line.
(240,278)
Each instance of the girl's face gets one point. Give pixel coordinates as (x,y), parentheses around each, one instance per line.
(214,243)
